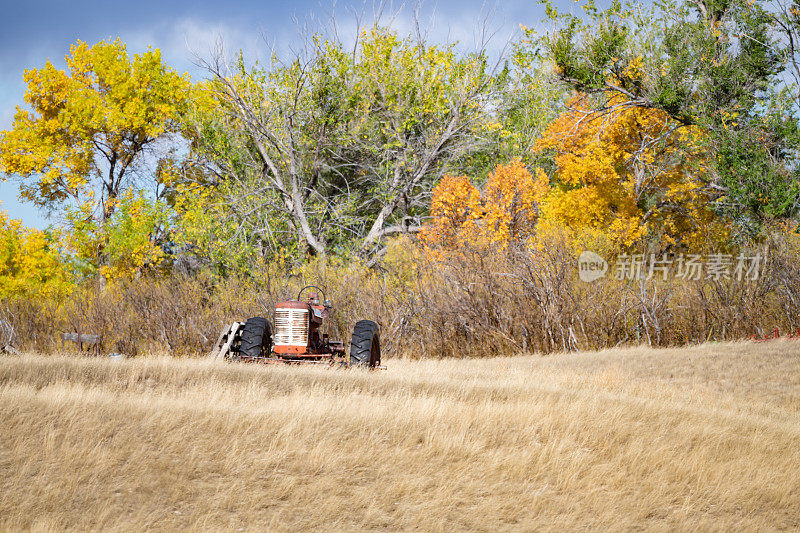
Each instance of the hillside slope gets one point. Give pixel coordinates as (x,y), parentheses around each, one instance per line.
(703,437)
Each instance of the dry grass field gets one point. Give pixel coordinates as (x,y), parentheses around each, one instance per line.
(705,438)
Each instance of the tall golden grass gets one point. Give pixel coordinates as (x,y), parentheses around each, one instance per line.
(706,437)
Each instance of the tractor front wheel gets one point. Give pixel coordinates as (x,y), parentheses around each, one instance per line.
(256,338)
(365,345)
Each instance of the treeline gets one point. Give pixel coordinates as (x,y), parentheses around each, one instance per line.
(477,303)
(453,189)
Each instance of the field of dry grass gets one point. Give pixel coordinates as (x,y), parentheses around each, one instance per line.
(705,437)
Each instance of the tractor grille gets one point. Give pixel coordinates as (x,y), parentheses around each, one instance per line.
(291,327)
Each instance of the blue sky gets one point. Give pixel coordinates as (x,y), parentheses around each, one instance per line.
(33,31)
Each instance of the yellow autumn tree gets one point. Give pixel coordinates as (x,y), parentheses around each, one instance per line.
(627,174)
(85,129)
(619,177)
(78,146)
(30,263)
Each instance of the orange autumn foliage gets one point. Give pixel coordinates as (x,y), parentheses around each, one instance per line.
(620,178)
(511,199)
(506,209)
(456,205)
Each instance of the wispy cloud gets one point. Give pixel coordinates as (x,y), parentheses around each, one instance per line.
(185,40)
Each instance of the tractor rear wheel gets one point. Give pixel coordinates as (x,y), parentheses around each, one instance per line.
(365,345)
(256,337)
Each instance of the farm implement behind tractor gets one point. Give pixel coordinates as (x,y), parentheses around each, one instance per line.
(299,337)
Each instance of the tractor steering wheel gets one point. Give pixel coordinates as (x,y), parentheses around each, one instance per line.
(312,287)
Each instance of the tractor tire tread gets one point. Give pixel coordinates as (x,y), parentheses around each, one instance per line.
(365,347)
(256,337)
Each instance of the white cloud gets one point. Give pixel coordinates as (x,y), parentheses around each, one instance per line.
(182,40)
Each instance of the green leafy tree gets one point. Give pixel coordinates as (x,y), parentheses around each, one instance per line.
(339,148)
(712,64)
(130,242)
(786,19)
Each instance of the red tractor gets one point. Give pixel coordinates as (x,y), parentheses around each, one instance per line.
(298,337)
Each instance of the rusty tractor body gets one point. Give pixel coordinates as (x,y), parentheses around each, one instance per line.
(299,337)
